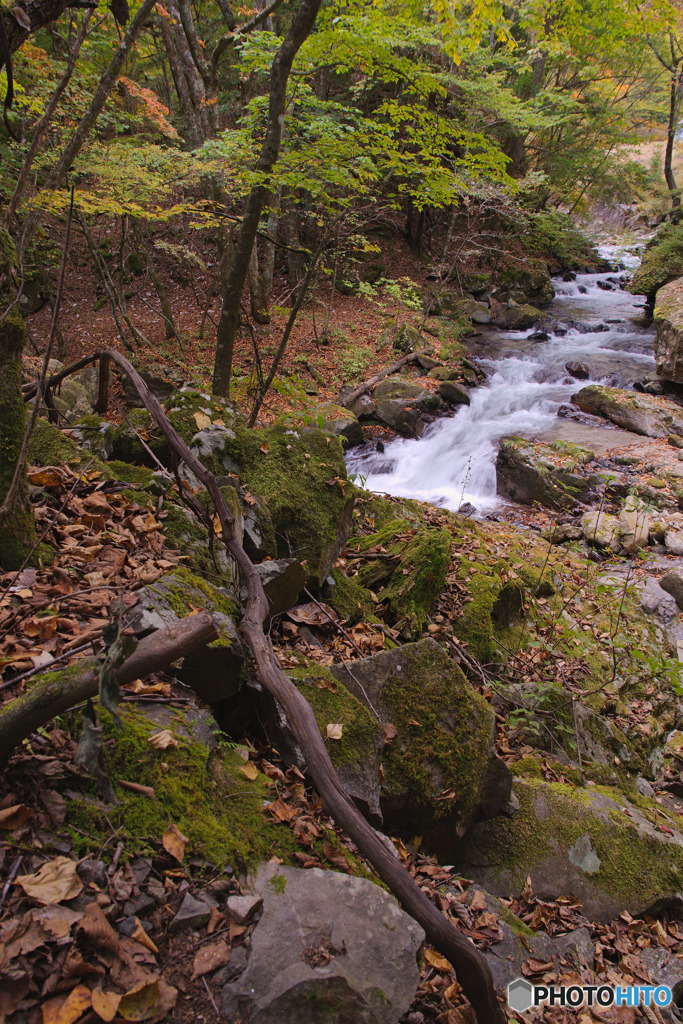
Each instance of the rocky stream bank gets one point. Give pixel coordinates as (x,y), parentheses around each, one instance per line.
(501,696)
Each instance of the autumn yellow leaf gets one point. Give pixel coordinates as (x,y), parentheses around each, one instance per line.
(140,1002)
(437,961)
(334,730)
(66,1010)
(174,842)
(250,770)
(105,1004)
(202,420)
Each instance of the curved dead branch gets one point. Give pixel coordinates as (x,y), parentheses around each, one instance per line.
(472,969)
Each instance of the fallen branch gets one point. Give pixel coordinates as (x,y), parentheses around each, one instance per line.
(472,969)
(59,691)
(362,388)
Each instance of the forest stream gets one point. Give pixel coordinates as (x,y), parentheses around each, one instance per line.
(528,392)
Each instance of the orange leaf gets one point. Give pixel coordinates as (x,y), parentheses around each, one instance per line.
(437,961)
(13,817)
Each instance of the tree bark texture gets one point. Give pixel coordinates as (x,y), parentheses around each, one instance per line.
(472,969)
(55,692)
(39,14)
(17,527)
(228,324)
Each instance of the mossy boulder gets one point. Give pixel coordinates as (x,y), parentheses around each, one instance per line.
(49,446)
(401,405)
(350,600)
(292,483)
(335,419)
(662,262)
(632,410)
(217,671)
(589,843)
(528,283)
(207,796)
(548,474)
(411,576)
(514,317)
(669,328)
(436,769)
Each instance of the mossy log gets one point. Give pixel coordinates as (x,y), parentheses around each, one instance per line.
(17,526)
(474,973)
(55,692)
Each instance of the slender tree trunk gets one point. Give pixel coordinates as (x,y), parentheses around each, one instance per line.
(193,78)
(299,31)
(42,124)
(17,527)
(259,305)
(186,105)
(106,84)
(675,86)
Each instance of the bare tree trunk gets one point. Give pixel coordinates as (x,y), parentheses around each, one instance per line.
(17,527)
(259,305)
(675,87)
(296,261)
(186,105)
(42,124)
(228,324)
(193,78)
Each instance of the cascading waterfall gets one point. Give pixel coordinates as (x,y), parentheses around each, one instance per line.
(454,461)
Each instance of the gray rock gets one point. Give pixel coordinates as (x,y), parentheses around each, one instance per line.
(673,540)
(377,779)
(95,435)
(517,318)
(216,671)
(283,580)
(363,407)
(672,582)
(579,843)
(427,363)
(478,312)
(451,392)
(655,600)
(197,725)
(663,967)
(192,914)
(400,404)
(578,370)
(328,949)
(632,410)
(243,908)
(634,524)
(644,787)
(601,530)
(531,472)
(162,381)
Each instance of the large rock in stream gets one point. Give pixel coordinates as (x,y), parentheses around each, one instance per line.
(327,949)
(548,474)
(401,405)
(632,410)
(669,327)
(592,844)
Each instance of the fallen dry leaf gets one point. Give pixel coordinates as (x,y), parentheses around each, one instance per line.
(141,1001)
(162,740)
(98,930)
(56,881)
(209,958)
(436,961)
(15,816)
(105,1004)
(202,420)
(141,936)
(250,770)
(66,1009)
(174,842)
(334,730)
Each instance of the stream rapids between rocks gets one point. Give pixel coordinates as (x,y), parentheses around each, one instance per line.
(454,462)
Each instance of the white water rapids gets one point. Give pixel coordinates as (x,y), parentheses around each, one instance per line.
(454,461)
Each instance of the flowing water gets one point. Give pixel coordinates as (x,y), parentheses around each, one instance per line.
(454,461)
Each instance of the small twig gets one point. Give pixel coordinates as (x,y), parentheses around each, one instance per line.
(116,858)
(213,1001)
(12,875)
(355,646)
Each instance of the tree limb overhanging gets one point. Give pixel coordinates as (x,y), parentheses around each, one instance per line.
(472,969)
